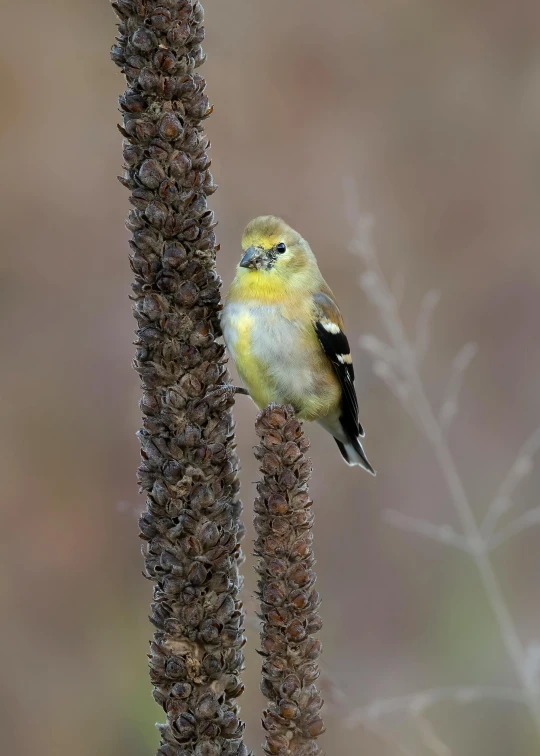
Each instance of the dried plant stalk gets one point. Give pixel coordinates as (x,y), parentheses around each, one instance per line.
(289,601)
(189,470)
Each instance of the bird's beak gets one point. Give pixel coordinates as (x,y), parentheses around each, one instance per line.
(249,259)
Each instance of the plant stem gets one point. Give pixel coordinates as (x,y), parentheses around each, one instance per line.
(289,601)
(471,530)
(189,471)
(480,555)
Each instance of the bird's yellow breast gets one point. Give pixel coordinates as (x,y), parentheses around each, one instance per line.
(264,287)
(252,371)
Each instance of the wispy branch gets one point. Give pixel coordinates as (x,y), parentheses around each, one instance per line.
(441,533)
(526,520)
(502,501)
(379,350)
(460,363)
(423,323)
(380,294)
(386,366)
(532,664)
(426,699)
(398,286)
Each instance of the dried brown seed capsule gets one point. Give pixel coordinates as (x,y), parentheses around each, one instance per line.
(277,504)
(143,39)
(178,34)
(170,127)
(165,60)
(208,748)
(295,631)
(175,668)
(314,727)
(271,464)
(174,255)
(156,213)
(151,174)
(290,687)
(149,81)
(161,18)
(288,710)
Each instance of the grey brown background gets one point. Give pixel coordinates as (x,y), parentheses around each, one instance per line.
(434,109)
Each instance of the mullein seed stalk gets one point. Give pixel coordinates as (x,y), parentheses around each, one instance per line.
(286,587)
(189,471)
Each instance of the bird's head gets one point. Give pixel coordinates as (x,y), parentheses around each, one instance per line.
(270,245)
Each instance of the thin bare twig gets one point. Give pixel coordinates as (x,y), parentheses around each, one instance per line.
(526,520)
(380,294)
(460,363)
(386,366)
(398,286)
(442,533)
(379,350)
(424,700)
(423,324)
(397,386)
(502,501)
(532,664)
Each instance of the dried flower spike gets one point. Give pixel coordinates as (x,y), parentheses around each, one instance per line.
(289,601)
(189,471)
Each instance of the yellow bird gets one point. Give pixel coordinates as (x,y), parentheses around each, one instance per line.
(285,333)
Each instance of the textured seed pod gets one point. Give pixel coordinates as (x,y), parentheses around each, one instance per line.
(191,526)
(289,601)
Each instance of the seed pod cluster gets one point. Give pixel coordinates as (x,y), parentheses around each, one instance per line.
(189,471)
(286,586)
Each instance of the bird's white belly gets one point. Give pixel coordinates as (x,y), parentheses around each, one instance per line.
(258,336)
(280,344)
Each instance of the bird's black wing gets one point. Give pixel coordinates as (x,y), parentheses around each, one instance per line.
(328,324)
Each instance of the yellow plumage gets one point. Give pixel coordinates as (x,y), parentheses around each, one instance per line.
(252,371)
(284,332)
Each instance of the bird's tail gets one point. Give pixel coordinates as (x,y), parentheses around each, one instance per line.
(353,453)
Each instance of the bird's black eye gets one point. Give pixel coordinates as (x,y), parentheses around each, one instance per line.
(281,248)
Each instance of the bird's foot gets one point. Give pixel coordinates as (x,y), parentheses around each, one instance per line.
(222,396)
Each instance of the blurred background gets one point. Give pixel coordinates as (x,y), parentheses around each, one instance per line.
(433,109)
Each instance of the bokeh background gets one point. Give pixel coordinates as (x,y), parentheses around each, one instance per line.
(433,109)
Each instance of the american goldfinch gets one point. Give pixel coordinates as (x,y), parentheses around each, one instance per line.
(284,331)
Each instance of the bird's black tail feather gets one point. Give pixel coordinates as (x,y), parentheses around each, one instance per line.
(354,454)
